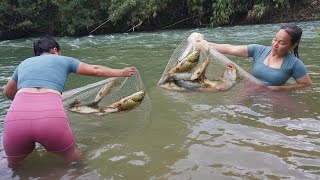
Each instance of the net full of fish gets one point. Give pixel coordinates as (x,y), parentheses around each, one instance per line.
(107,96)
(193,67)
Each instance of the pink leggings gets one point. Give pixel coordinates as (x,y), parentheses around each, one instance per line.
(36,117)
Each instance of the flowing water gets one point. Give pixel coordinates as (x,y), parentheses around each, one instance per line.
(243,133)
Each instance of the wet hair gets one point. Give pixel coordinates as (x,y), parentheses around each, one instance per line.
(44,45)
(295,33)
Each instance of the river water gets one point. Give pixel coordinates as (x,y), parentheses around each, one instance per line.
(243,133)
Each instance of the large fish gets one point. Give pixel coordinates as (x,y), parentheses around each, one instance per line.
(189,85)
(205,85)
(225,83)
(103,92)
(186,52)
(172,86)
(182,76)
(193,40)
(76,106)
(186,64)
(86,109)
(196,75)
(128,102)
(199,72)
(92,110)
(229,78)
(125,104)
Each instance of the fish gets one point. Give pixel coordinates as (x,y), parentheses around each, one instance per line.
(129,102)
(183,76)
(91,110)
(229,78)
(103,92)
(192,57)
(76,106)
(189,85)
(186,52)
(172,86)
(182,66)
(86,109)
(199,72)
(230,72)
(186,64)
(206,85)
(225,83)
(125,104)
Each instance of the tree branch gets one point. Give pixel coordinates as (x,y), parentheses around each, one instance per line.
(184,20)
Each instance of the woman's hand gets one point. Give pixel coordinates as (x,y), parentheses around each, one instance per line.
(128,71)
(10,89)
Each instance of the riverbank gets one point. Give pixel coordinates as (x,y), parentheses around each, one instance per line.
(299,11)
(307,11)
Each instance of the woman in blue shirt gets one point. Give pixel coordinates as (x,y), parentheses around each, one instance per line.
(273,65)
(36,113)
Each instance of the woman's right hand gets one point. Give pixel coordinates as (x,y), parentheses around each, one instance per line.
(128,71)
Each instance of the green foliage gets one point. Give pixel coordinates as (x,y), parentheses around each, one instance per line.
(78,17)
(196,6)
(134,12)
(281,3)
(224,10)
(28,15)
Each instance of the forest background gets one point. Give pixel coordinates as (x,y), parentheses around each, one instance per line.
(32,18)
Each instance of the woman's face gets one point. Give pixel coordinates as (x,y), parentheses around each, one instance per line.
(281,43)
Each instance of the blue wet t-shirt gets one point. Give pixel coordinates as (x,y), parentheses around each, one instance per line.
(291,66)
(45,71)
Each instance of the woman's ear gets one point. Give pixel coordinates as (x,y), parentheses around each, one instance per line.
(54,51)
(294,45)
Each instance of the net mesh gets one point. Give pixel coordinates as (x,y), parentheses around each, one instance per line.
(215,68)
(124,86)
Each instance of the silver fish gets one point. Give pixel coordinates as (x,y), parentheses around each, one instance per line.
(183,76)
(86,109)
(172,86)
(189,85)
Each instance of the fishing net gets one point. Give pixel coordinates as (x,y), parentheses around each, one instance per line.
(123,87)
(216,67)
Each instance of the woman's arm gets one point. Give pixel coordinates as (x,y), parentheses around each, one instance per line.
(241,50)
(103,71)
(302,82)
(10,89)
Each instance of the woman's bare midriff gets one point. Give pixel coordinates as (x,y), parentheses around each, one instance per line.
(38,90)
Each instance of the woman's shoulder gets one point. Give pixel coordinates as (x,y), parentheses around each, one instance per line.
(257,49)
(293,60)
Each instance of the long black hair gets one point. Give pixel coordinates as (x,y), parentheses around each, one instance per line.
(295,33)
(44,45)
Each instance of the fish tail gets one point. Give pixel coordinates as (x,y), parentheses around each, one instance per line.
(165,78)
